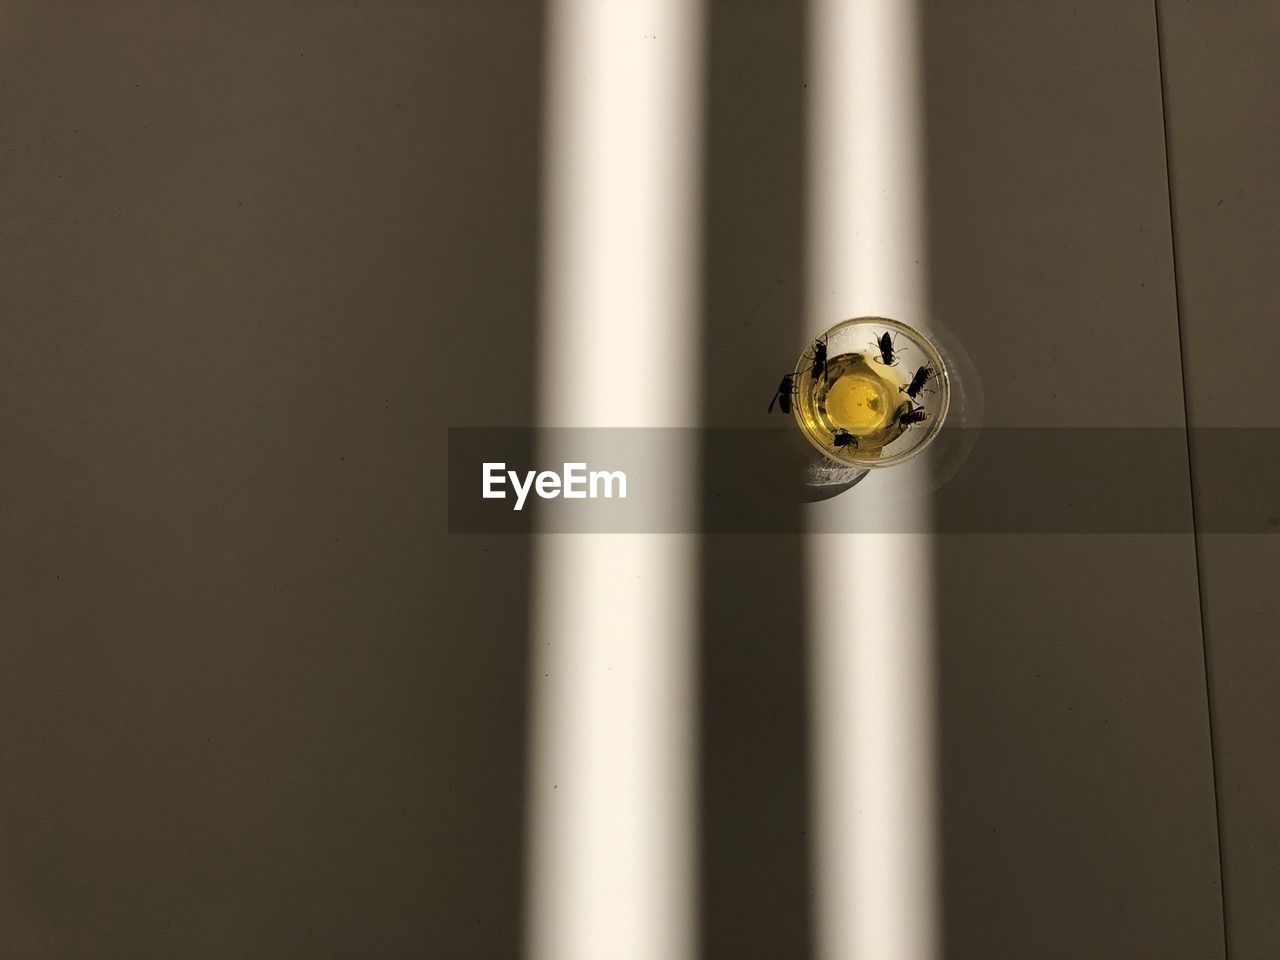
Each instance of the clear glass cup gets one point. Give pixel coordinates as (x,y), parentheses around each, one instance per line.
(871,392)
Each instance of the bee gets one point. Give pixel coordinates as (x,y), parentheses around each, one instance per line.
(917,383)
(843,439)
(819,358)
(913,416)
(885,347)
(786,390)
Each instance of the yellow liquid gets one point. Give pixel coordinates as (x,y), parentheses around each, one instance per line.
(857,396)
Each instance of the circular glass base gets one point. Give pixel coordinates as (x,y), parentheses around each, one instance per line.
(824,479)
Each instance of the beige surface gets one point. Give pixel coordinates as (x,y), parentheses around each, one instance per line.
(1222,75)
(1077,801)
(754,805)
(254,701)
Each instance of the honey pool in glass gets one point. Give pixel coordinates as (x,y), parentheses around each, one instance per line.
(857,407)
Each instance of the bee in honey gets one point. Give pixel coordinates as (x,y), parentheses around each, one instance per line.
(843,439)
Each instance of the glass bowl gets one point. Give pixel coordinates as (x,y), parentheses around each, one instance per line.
(871,392)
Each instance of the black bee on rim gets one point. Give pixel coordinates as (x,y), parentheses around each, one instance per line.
(819,358)
(786,390)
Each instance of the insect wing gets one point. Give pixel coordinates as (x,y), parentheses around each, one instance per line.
(782,395)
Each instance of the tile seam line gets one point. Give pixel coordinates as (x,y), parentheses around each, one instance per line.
(1191,483)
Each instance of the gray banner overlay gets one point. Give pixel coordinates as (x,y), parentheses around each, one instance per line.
(748,480)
